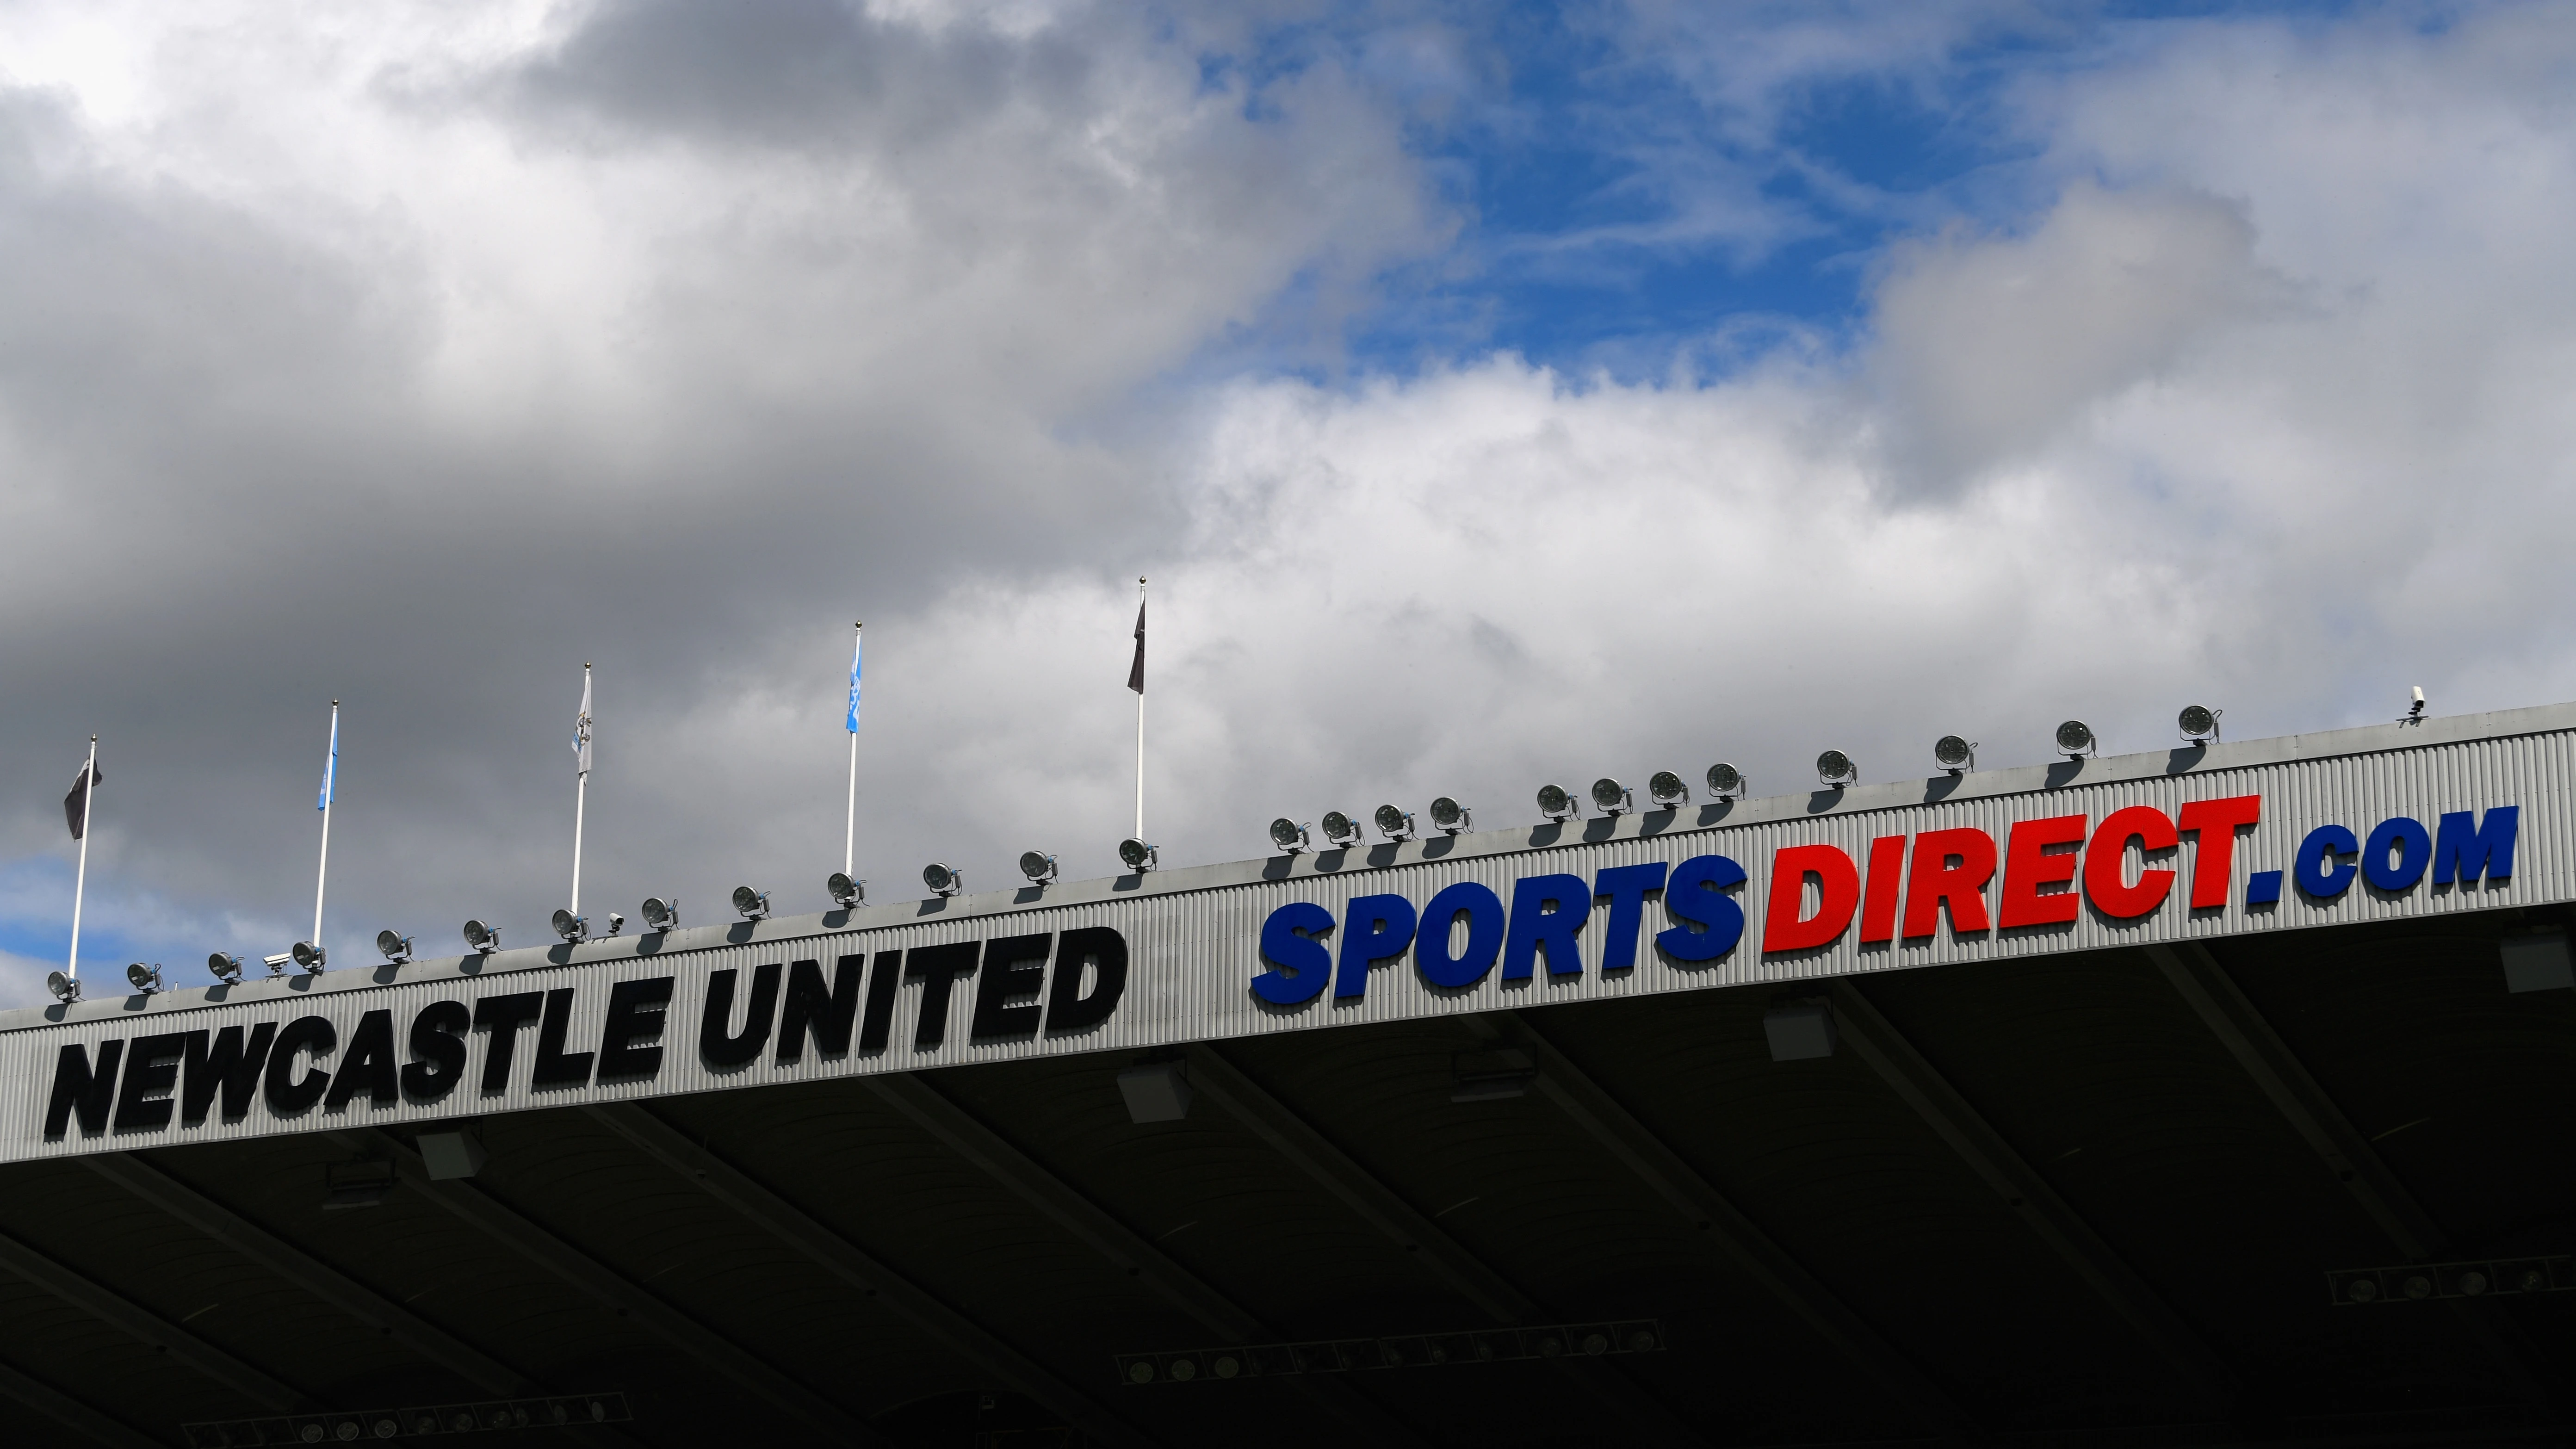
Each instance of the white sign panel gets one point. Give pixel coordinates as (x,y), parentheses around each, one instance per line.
(2199,842)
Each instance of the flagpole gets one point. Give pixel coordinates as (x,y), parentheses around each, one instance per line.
(580,793)
(80,881)
(1140,720)
(330,787)
(850,836)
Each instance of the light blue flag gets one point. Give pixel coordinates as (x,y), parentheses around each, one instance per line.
(330,767)
(852,723)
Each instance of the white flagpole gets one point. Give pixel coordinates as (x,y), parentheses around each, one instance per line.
(330,787)
(581,789)
(80,881)
(850,837)
(1140,732)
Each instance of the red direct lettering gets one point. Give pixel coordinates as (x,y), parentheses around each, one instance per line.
(1935,881)
(1839,882)
(1886,874)
(2213,862)
(2028,866)
(2106,862)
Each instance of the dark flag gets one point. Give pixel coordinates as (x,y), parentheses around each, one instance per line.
(76,804)
(1136,671)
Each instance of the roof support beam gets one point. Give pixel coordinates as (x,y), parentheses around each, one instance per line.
(315,1277)
(2029,1195)
(149,1328)
(837,1256)
(1293,1138)
(1057,1200)
(504,1225)
(1737,1238)
(2232,1017)
(71,1413)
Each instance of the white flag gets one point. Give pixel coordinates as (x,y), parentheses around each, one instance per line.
(581,727)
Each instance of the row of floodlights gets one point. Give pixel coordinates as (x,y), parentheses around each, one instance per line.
(1953,753)
(2075,740)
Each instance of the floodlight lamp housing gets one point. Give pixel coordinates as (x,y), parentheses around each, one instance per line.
(226,967)
(308,955)
(942,879)
(1955,753)
(660,914)
(1394,824)
(1451,817)
(1138,855)
(1837,769)
(1612,798)
(145,979)
(2199,723)
(1557,803)
(1340,829)
(1290,836)
(750,904)
(571,927)
(395,946)
(1667,789)
(482,938)
(845,889)
(66,989)
(2075,740)
(1725,781)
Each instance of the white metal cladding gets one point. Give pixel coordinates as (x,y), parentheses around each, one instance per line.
(1193,935)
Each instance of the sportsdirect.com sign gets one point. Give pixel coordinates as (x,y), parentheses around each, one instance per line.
(2306,832)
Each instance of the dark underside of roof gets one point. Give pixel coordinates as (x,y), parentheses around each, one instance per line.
(2077,1199)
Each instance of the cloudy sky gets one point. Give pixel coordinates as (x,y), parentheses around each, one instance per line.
(1494,395)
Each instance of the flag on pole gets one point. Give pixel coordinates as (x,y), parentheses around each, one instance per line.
(1136,671)
(853,721)
(76,804)
(581,727)
(331,766)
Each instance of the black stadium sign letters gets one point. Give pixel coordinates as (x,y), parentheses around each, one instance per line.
(781,1009)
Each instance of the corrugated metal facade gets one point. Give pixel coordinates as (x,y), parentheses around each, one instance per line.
(1193,936)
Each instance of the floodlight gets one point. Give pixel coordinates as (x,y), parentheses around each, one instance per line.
(1612,798)
(660,914)
(1038,866)
(1452,817)
(1666,789)
(1836,769)
(226,967)
(483,938)
(750,904)
(1140,856)
(2075,739)
(1394,824)
(1955,754)
(307,955)
(1340,829)
(1725,781)
(571,927)
(1556,804)
(397,948)
(845,889)
(66,988)
(1290,836)
(943,880)
(146,979)
(2199,723)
